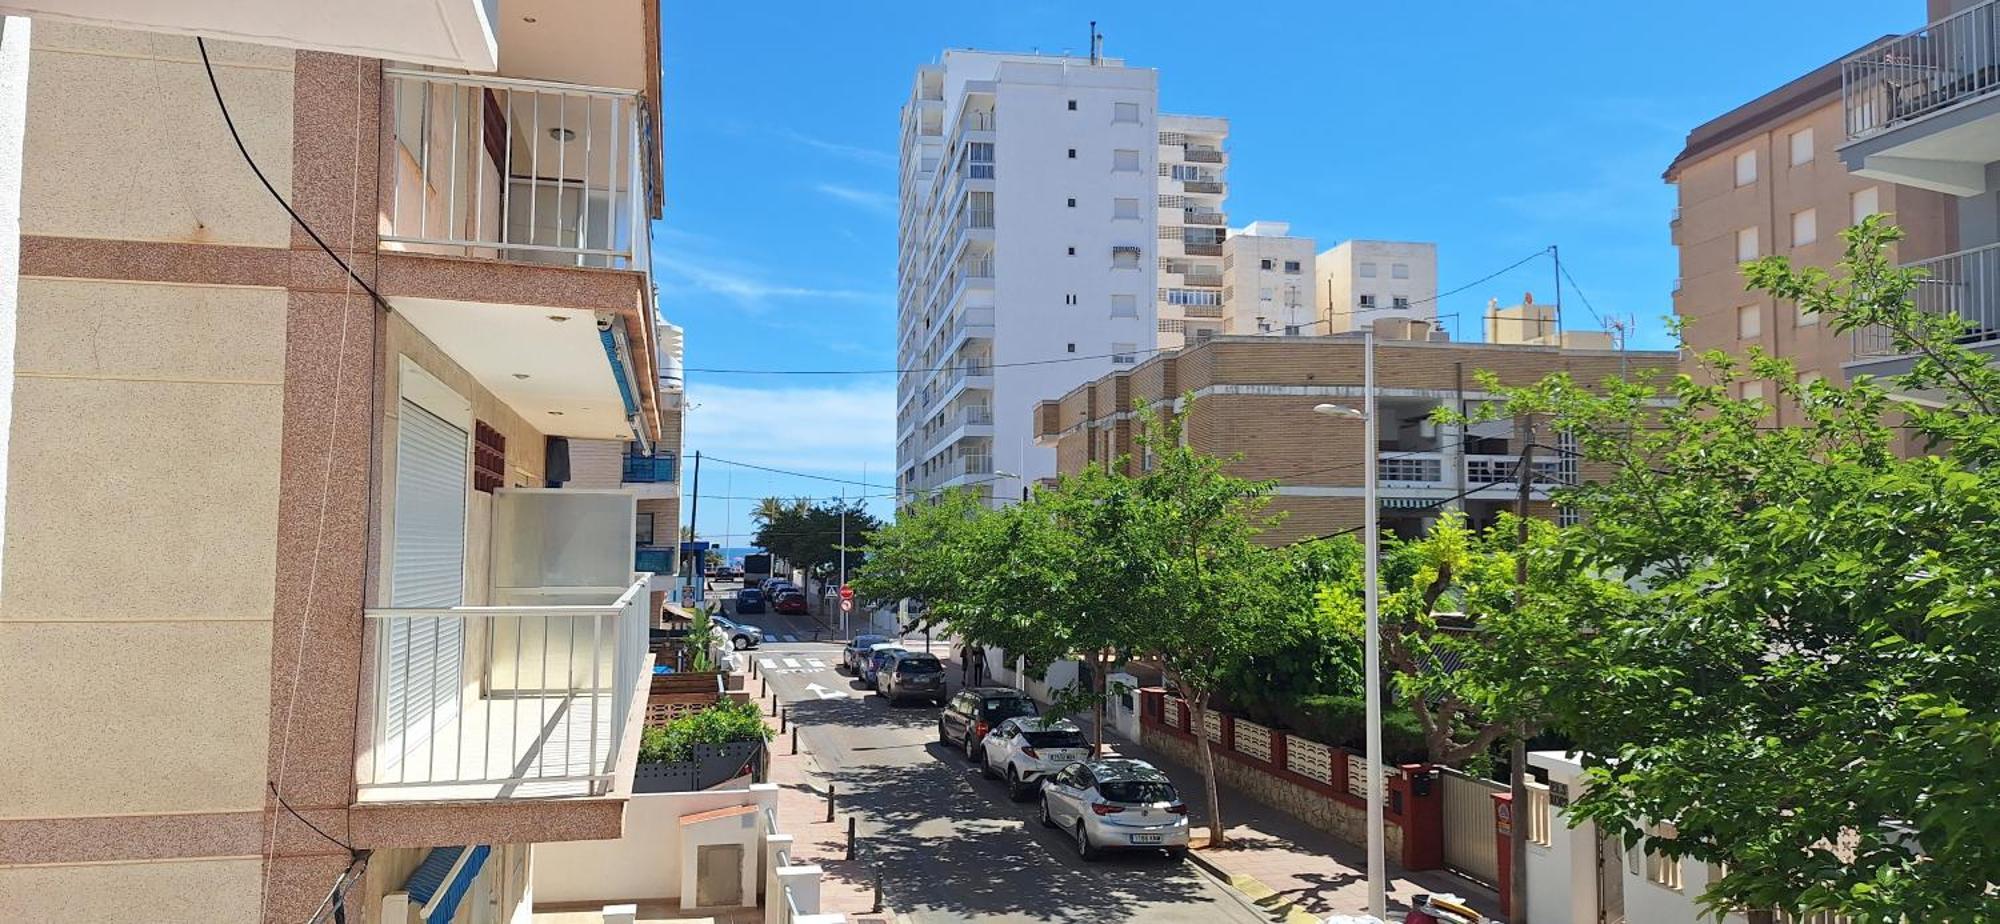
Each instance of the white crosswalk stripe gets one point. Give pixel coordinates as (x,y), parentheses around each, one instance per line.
(816,663)
(791,662)
(767,663)
(791,638)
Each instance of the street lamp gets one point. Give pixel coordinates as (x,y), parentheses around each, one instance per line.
(1372,646)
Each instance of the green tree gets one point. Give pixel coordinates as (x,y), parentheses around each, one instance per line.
(808,535)
(1803,685)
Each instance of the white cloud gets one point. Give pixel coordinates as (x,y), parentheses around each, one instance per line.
(878,202)
(745,285)
(870,156)
(837,431)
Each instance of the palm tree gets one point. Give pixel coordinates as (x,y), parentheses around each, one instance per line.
(768,509)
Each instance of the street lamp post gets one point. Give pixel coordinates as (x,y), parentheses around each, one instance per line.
(1372,647)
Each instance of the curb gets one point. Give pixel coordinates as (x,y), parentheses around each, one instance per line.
(1255,894)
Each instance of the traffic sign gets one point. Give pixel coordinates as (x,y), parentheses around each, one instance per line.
(847,605)
(846,592)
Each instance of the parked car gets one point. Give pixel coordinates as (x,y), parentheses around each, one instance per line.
(878,658)
(749,601)
(973,713)
(1024,751)
(776,586)
(912,675)
(1116,805)
(740,635)
(789,602)
(856,649)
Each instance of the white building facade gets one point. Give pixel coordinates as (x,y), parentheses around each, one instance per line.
(1361,282)
(1267,282)
(1193,227)
(1025,237)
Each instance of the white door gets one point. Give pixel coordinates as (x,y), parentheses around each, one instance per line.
(425,655)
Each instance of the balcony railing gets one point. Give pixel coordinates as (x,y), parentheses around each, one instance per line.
(1964,284)
(1202,186)
(1410,468)
(653,559)
(1952,60)
(1194,249)
(521,170)
(654,469)
(511,701)
(1201,311)
(1195,217)
(1484,470)
(1203,155)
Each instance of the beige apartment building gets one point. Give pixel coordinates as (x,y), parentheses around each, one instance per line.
(1193,228)
(1767,178)
(287,606)
(1267,283)
(1254,398)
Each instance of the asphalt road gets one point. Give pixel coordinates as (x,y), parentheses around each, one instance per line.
(950,844)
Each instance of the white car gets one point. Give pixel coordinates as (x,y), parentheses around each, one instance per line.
(1116,805)
(1024,752)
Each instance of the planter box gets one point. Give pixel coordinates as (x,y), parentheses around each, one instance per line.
(712,765)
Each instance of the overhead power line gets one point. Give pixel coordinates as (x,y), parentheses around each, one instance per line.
(1031,362)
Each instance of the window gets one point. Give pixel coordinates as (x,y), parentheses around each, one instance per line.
(979,157)
(1864,203)
(1124,354)
(1753,391)
(1263,264)
(1124,306)
(1125,208)
(1365,302)
(1203,335)
(1072,105)
(1069,299)
(1804,318)
(1193,297)
(1125,112)
(642,529)
(1072,251)
(1746,168)
(1072,153)
(1125,160)
(1399,271)
(1367,271)
(1292,266)
(1802,147)
(1807,378)
(1072,202)
(1749,321)
(1400,302)
(1291,330)
(1805,227)
(1072,348)
(1124,258)
(1746,245)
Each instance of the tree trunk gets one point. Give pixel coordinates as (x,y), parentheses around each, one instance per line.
(1215,826)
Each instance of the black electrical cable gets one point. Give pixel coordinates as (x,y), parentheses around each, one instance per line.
(1031,362)
(306,821)
(202,45)
(781,471)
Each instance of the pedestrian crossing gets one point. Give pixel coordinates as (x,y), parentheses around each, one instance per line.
(792,665)
(774,638)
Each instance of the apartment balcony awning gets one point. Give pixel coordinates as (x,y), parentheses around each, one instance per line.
(442,33)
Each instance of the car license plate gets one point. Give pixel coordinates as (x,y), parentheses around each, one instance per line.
(1145,838)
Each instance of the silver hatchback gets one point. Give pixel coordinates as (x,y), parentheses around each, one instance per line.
(1116,805)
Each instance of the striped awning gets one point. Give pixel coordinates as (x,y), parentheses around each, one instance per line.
(441,881)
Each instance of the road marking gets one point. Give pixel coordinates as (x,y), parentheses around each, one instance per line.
(791,662)
(825,693)
(791,638)
(815,663)
(770,637)
(767,663)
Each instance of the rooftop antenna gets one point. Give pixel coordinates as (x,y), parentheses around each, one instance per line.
(1094,38)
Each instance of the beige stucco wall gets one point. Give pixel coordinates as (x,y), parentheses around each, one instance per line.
(166,892)
(131,122)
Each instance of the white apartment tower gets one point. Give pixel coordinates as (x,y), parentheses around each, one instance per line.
(1361,282)
(1267,282)
(1193,227)
(1026,255)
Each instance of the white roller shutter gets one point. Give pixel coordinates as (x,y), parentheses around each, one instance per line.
(426,656)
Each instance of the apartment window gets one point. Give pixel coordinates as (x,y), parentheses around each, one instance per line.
(1124,258)
(1805,227)
(1072,202)
(1367,271)
(1746,245)
(1365,302)
(1804,318)
(1124,354)
(1125,160)
(1802,147)
(1125,208)
(1072,251)
(1291,330)
(1072,105)
(1746,168)
(1292,266)
(1399,271)
(1072,153)
(1753,391)
(1125,112)
(1400,302)
(1749,322)
(1263,264)
(1864,202)
(1204,334)
(1124,306)
(1069,299)
(642,529)
(1072,348)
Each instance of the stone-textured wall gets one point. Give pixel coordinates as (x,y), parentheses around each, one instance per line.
(1322,811)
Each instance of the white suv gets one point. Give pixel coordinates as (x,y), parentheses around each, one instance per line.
(1023,751)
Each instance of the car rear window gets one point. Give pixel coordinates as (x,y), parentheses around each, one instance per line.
(1135,791)
(1006,707)
(919,666)
(1060,738)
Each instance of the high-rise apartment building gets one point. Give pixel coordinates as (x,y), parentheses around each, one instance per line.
(1028,235)
(290,610)
(1194,184)
(1360,282)
(1267,281)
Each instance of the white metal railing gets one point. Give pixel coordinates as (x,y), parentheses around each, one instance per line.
(1945,63)
(1965,284)
(523,170)
(1480,470)
(972,465)
(1425,468)
(1203,217)
(1203,155)
(488,698)
(980,218)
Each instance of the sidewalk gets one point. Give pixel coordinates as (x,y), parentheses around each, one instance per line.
(848,886)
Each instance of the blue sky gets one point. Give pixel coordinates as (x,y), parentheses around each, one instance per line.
(1492,128)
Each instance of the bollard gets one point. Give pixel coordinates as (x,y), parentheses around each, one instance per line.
(850,837)
(829,801)
(784,720)
(774,705)
(763,687)
(878,893)
(795,739)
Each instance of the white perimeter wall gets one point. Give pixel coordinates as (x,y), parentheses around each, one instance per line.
(644,864)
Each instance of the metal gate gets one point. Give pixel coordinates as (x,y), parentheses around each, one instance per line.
(1468,825)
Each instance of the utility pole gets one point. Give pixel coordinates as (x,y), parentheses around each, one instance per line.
(843,554)
(1517,750)
(694,510)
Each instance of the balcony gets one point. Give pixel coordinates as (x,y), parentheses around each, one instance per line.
(1919,107)
(1199,217)
(1194,249)
(530,697)
(1201,311)
(653,560)
(659,468)
(1964,284)
(1486,470)
(1212,187)
(1410,469)
(1202,155)
(518,170)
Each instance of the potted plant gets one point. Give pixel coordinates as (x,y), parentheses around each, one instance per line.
(701,749)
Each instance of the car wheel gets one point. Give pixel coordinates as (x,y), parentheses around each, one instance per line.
(1084,850)
(970,747)
(1048,821)
(986,766)
(1177,854)
(740,642)
(1016,790)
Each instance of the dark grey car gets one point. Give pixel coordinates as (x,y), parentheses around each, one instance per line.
(912,675)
